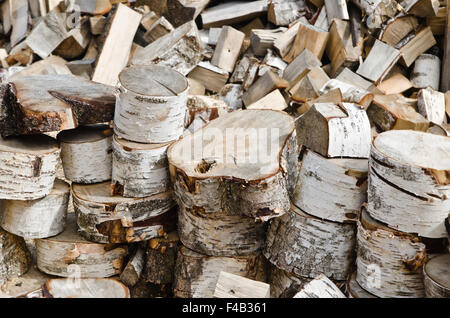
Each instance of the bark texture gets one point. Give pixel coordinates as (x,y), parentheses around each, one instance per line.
(354,290)
(84,288)
(15,259)
(284,284)
(437,277)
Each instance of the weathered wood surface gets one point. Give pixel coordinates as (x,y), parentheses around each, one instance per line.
(426,72)
(228,48)
(133,269)
(284,12)
(39,218)
(15,259)
(437,277)
(230,179)
(69,255)
(86,153)
(284,284)
(354,290)
(45,103)
(320,287)
(235,286)
(29,165)
(152,98)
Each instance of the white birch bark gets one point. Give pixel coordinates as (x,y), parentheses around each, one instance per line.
(284,284)
(15,259)
(431,104)
(354,290)
(350,93)
(426,72)
(437,277)
(320,287)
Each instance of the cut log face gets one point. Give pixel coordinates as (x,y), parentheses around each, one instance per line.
(235,286)
(152,98)
(37,218)
(45,103)
(284,284)
(29,166)
(220,176)
(331,189)
(389,262)
(85,288)
(289,247)
(356,291)
(15,258)
(139,170)
(196,275)
(333,130)
(69,255)
(86,153)
(113,219)
(426,73)
(406,183)
(320,287)
(437,277)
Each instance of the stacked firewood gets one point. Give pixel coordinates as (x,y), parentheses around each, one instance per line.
(214,148)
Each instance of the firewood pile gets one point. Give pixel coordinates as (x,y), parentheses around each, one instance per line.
(197,148)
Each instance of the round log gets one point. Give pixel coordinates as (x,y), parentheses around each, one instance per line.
(389,262)
(407,183)
(139,170)
(37,218)
(151,104)
(226,167)
(69,255)
(437,277)
(15,259)
(86,153)
(356,291)
(196,274)
(29,166)
(426,72)
(114,219)
(331,189)
(284,284)
(308,246)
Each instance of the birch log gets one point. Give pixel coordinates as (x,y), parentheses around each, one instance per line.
(308,246)
(196,275)
(426,72)
(284,284)
(114,219)
(84,288)
(133,270)
(320,287)
(224,177)
(431,104)
(139,170)
(15,259)
(235,286)
(151,105)
(331,189)
(389,262)
(407,183)
(333,130)
(86,153)
(69,255)
(29,166)
(37,218)
(201,110)
(437,277)
(356,291)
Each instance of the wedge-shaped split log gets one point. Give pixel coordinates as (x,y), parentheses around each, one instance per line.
(320,287)
(235,286)
(15,257)
(437,277)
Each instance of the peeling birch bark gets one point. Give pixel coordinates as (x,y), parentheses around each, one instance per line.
(356,291)
(86,153)
(320,287)
(437,277)
(284,284)
(28,167)
(15,259)
(104,218)
(37,218)
(69,255)
(151,104)
(426,72)
(196,275)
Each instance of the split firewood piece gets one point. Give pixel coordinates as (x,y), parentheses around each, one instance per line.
(283,13)
(426,73)
(333,96)
(336,9)
(423,8)
(201,110)
(416,46)
(158,29)
(50,65)
(309,86)
(180,49)
(335,130)
(19,287)
(139,170)
(389,262)
(232,12)
(431,104)
(210,76)
(86,153)
(195,87)
(437,277)
(447,103)
(308,37)
(300,66)
(395,84)
(351,78)
(406,183)
(29,165)
(152,98)
(262,40)
(336,191)
(16,258)
(98,24)
(76,42)
(322,20)
(133,270)
(122,25)
(231,94)
(288,245)
(350,93)
(161,255)
(320,287)
(82,288)
(242,68)
(196,274)
(263,86)
(381,59)
(284,284)
(148,19)
(45,103)
(397,29)
(246,178)
(38,218)
(354,290)
(396,112)
(377,12)
(273,62)
(445,79)
(437,23)
(19,20)
(69,255)
(274,101)
(228,48)
(283,43)
(235,286)
(340,49)
(104,218)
